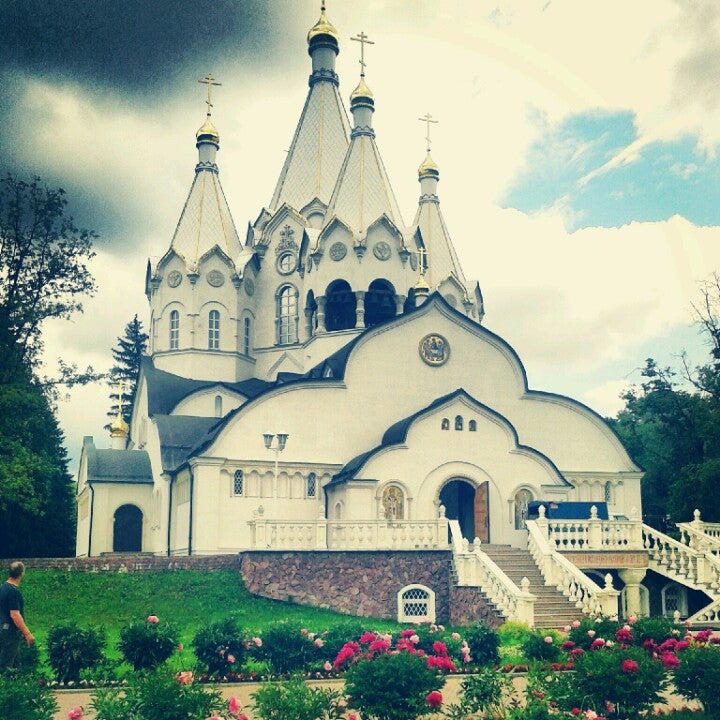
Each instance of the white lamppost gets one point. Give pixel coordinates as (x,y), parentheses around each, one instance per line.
(277,447)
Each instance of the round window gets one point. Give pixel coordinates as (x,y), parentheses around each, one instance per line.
(286,263)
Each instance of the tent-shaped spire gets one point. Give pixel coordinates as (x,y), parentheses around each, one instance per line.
(363,193)
(441,259)
(321,137)
(205,221)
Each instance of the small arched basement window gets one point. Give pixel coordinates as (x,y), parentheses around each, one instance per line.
(416,603)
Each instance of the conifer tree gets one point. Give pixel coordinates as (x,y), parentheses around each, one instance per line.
(127,355)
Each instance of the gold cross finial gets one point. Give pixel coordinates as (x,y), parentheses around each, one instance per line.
(362,38)
(322,6)
(209,80)
(427,119)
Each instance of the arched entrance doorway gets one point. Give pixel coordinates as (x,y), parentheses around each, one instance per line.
(127,529)
(469,506)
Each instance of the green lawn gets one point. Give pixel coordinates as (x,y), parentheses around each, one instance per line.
(188,598)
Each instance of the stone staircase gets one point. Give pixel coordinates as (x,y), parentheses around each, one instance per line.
(552,608)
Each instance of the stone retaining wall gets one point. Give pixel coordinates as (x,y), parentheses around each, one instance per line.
(363,583)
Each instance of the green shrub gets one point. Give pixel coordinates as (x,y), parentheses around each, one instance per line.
(338,635)
(513,632)
(392,687)
(157,695)
(628,678)
(543,645)
(698,677)
(72,649)
(287,648)
(656,628)
(294,700)
(28,658)
(591,629)
(483,693)
(147,644)
(221,646)
(25,697)
(483,642)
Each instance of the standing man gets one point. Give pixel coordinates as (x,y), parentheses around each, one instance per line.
(12,624)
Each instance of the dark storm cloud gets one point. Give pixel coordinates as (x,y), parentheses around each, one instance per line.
(132,44)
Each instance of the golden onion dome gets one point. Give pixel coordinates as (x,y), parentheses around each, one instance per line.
(362,92)
(421,287)
(208,132)
(118,427)
(322,27)
(428,169)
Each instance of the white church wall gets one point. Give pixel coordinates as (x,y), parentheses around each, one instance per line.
(108,498)
(204,403)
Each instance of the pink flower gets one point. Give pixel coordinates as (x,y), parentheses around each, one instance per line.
(407,632)
(566,628)
(319,642)
(231,659)
(185,677)
(624,635)
(434,699)
(414,639)
(596,644)
(591,633)
(439,648)
(442,662)
(352,716)
(215,717)
(367,637)
(75,714)
(441,628)
(303,631)
(234,706)
(629,666)
(327,667)
(379,646)
(610,707)
(180,647)
(455,636)
(591,714)
(548,639)
(257,641)
(153,619)
(576,623)
(632,619)
(670,660)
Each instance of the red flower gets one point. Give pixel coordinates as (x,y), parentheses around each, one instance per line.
(439,648)
(670,660)
(568,645)
(443,663)
(407,633)
(629,666)
(378,646)
(575,711)
(624,635)
(434,699)
(367,637)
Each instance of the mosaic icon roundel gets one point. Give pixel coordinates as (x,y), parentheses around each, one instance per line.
(337,251)
(215,278)
(434,349)
(174,278)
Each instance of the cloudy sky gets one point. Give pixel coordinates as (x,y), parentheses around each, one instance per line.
(577,146)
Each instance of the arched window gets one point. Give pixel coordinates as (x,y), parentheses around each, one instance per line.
(218,406)
(238,482)
(312,485)
(522,500)
(287,315)
(379,302)
(458,422)
(674,598)
(607,492)
(214,330)
(445,424)
(472,426)
(174,330)
(393,503)
(340,306)
(247,339)
(416,603)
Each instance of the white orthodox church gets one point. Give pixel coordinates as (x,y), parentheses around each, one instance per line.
(326,383)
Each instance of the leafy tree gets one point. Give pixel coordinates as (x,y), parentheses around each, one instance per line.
(43,268)
(37,509)
(127,355)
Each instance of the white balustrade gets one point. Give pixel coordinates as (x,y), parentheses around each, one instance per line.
(476,569)
(593,533)
(557,570)
(349,534)
(701,535)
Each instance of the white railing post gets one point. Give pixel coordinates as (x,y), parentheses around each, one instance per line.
(595,539)
(608,597)
(525,608)
(321,531)
(636,539)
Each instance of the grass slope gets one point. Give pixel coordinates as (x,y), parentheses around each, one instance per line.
(188,598)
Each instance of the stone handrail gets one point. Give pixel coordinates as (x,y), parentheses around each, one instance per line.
(557,570)
(701,535)
(686,564)
(476,569)
(323,534)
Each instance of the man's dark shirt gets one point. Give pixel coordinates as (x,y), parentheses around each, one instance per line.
(10,599)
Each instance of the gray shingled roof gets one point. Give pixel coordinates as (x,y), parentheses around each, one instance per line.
(118,466)
(179,434)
